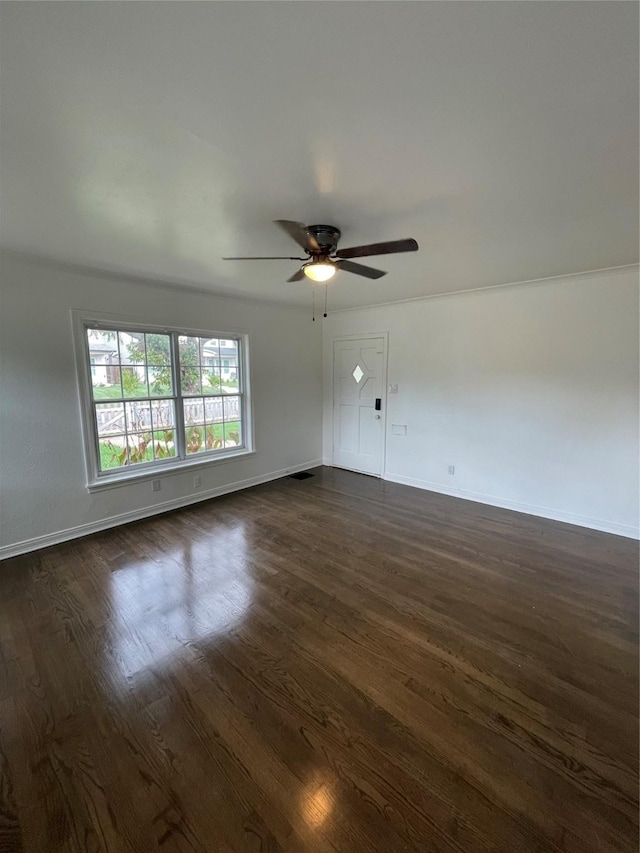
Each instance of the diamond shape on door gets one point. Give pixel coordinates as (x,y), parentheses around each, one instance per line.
(358,373)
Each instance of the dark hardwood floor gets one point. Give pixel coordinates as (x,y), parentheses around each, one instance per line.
(334,664)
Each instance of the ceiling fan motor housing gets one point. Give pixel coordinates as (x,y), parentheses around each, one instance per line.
(327,237)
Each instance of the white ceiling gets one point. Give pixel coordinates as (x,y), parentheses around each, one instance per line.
(154,138)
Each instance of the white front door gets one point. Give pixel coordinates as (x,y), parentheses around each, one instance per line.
(358,419)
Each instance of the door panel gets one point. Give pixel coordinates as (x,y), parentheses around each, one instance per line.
(368,434)
(358,430)
(348,428)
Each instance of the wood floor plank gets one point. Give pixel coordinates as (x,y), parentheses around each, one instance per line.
(333,664)
(10,834)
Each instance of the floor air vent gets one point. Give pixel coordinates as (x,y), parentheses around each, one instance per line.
(301,475)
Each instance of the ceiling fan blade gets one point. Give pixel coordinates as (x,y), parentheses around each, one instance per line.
(297,276)
(270,258)
(360,269)
(388,248)
(298,232)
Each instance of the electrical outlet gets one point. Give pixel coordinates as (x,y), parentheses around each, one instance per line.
(155,485)
(452,469)
(197,481)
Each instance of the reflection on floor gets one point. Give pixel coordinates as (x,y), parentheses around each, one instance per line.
(160,605)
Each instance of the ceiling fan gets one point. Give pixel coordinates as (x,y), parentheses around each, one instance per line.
(320,242)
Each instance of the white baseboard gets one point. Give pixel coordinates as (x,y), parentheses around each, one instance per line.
(529,509)
(59,536)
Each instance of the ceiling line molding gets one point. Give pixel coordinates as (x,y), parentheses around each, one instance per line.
(122,276)
(146,281)
(534,282)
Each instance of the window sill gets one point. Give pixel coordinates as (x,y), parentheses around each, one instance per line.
(128,478)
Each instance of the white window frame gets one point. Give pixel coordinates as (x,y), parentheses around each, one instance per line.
(98,480)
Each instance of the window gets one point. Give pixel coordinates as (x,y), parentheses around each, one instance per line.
(161,399)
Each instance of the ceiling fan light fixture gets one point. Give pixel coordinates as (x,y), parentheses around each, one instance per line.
(319,270)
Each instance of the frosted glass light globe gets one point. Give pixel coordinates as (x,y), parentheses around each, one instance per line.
(319,271)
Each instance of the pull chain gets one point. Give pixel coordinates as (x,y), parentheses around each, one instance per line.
(325,300)
(313,303)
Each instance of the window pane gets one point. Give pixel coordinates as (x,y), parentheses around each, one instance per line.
(211,380)
(230,348)
(189,350)
(210,348)
(212,439)
(138,416)
(164,444)
(232,421)
(132,348)
(158,349)
(159,379)
(99,337)
(134,381)
(103,357)
(164,434)
(229,375)
(163,414)
(110,388)
(190,379)
(139,447)
(193,411)
(113,452)
(233,434)
(232,409)
(194,436)
(110,418)
(213,410)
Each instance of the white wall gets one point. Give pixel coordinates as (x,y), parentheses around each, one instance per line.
(43,489)
(530,391)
